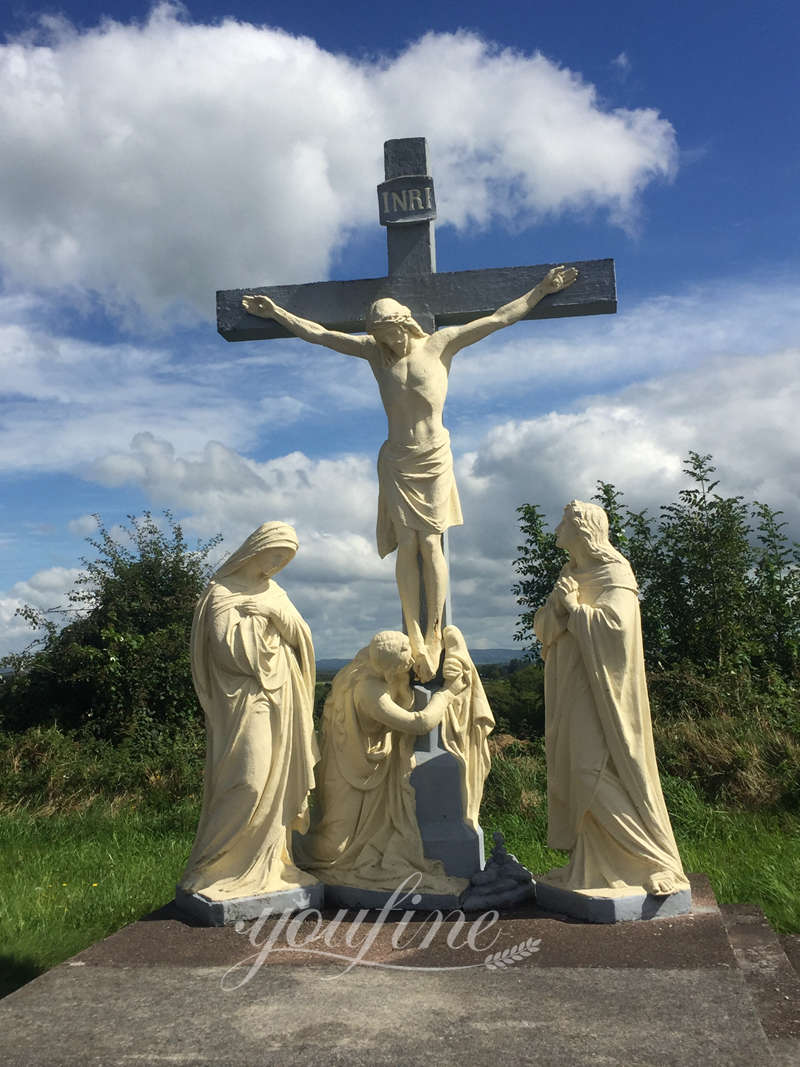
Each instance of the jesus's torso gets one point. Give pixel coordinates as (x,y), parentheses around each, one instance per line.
(413,389)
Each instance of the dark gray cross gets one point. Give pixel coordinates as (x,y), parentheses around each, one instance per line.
(407,209)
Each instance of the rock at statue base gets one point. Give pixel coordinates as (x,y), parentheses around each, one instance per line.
(227,912)
(502,885)
(611,905)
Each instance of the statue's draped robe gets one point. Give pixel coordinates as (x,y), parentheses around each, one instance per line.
(364,829)
(466,725)
(254,676)
(605,804)
(416,489)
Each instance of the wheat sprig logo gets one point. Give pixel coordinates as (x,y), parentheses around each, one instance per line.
(498,961)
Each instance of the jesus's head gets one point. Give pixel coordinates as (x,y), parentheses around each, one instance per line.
(392,324)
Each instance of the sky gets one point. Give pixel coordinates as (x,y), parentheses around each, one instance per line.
(154,154)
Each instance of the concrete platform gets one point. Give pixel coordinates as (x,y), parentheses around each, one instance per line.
(548,991)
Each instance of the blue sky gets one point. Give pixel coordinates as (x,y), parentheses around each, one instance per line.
(153,155)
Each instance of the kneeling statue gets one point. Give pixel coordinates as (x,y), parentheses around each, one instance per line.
(364,831)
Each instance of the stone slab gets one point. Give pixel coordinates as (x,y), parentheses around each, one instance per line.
(378,1018)
(226,912)
(771,979)
(613,906)
(666,992)
(437,783)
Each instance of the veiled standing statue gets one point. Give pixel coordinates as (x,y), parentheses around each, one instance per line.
(253,669)
(605,805)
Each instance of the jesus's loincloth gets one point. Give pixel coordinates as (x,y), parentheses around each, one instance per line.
(416,489)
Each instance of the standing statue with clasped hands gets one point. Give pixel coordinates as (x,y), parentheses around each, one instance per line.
(418,499)
(604,798)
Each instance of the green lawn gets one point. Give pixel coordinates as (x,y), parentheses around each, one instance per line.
(70,879)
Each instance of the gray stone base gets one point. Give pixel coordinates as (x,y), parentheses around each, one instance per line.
(437,780)
(611,905)
(226,912)
(348,896)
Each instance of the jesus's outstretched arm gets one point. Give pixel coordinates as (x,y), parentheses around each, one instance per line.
(454,338)
(345,343)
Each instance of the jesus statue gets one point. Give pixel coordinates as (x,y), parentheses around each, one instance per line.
(417,499)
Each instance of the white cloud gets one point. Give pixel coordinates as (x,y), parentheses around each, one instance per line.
(46,590)
(62,398)
(154,162)
(659,335)
(83,526)
(742,409)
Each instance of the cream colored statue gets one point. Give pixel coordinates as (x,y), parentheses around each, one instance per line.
(466,723)
(364,829)
(605,805)
(253,669)
(418,499)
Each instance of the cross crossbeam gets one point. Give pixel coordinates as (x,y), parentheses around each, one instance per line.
(436,299)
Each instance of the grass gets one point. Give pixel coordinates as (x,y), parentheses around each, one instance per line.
(70,879)
(750,857)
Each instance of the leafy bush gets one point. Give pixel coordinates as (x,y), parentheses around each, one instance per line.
(120,669)
(47,770)
(517,700)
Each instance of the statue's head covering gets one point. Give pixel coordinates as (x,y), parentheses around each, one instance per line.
(268,535)
(387,312)
(592,523)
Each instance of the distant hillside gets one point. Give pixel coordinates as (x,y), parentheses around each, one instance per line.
(480,657)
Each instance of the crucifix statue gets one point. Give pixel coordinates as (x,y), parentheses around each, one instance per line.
(410,358)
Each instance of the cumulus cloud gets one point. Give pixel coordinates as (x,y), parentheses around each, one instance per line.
(46,590)
(61,396)
(713,369)
(656,336)
(153,162)
(740,408)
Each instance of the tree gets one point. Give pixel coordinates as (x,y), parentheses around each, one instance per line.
(777,580)
(539,563)
(121,666)
(716,593)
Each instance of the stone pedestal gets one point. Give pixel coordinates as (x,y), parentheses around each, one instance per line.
(353,897)
(611,905)
(437,782)
(226,912)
